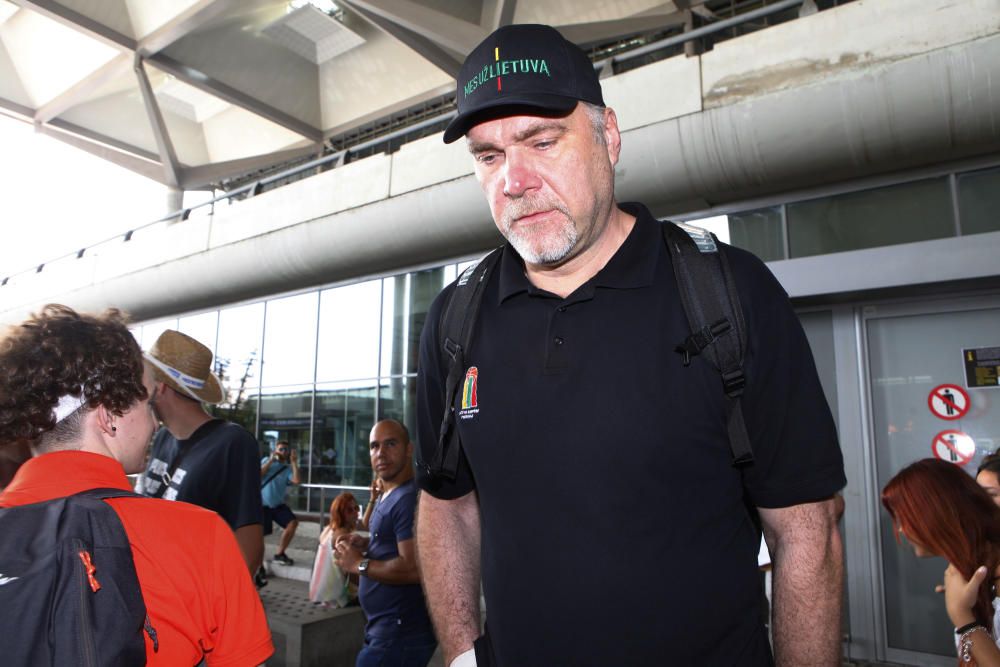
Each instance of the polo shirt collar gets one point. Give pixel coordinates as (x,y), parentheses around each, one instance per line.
(632,265)
(63,473)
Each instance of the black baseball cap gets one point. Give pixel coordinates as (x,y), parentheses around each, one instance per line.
(522,67)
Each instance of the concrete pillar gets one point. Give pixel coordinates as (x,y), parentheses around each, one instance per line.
(175,201)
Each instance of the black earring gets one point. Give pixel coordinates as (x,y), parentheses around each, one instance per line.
(114,428)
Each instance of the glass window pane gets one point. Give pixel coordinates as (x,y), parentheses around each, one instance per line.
(287,415)
(237,357)
(917,211)
(979,201)
(202,327)
(759,231)
(344,419)
(238,408)
(348,332)
(406,300)
(398,400)
(290,341)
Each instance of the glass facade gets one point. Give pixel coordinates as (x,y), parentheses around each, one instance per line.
(979,201)
(918,210)
(318,369)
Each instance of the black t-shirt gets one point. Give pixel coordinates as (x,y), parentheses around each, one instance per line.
(614,526)
(218,470)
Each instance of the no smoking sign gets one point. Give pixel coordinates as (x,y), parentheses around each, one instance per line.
(948,401)
(954,447)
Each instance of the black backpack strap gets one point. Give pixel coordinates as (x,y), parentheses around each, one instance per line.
(109,493)
(458,320)
(712,305)
(280,468)
(114,534)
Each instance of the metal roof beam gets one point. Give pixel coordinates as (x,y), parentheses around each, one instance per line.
(447,31)
(445,60)
(131,160)
(225,92)
(168,156)
(97,137)
(24,113)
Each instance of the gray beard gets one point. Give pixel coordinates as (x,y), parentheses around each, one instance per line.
(555,248)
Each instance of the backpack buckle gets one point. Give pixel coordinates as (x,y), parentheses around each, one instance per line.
(733,383)
(699,340)
(452,348)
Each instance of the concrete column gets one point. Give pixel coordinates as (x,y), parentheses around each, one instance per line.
(175,201)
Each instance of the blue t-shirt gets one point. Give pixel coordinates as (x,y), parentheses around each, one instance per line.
(272,494)
(393,609)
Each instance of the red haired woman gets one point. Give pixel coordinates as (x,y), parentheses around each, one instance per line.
(941,511)
(328,584)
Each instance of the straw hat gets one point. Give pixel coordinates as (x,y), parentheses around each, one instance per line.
(185,365)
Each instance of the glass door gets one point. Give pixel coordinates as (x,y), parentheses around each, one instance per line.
(930,395)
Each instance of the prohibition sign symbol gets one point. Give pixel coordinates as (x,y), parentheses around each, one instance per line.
(954,447)
(948,401)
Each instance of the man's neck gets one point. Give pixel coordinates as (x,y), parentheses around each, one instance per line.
(565,278)
(397,481)
(183,425)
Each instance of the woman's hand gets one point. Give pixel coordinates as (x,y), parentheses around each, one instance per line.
(960,595)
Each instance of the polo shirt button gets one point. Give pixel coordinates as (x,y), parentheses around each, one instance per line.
(558,340)
(561,309)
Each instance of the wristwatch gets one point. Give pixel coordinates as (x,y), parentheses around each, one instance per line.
(363,567)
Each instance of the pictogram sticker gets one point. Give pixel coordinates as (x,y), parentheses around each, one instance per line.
(954,447)
(948,401)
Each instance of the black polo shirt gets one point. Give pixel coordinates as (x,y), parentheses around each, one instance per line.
(614,527)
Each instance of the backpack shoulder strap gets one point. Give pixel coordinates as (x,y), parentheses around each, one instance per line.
(458,321)
(712,305)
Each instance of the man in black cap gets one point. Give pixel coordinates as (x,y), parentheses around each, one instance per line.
(595,492)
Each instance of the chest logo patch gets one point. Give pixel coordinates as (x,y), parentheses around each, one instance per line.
(470,394)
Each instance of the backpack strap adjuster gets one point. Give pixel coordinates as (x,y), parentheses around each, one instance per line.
(699,340)
(452,348)
(733,383)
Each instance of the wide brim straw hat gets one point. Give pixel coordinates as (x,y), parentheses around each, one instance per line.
(185,365)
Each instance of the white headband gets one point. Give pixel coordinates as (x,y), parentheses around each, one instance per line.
(184,381)
(68,404)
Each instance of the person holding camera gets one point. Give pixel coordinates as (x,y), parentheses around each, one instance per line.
(277,471)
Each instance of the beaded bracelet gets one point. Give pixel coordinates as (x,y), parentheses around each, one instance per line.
(965,642)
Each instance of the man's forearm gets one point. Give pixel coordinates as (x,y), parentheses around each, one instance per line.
(448,539)
(251,541)
(396,571)
(808,584)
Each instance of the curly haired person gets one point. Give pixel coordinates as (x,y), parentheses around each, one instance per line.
(73,389)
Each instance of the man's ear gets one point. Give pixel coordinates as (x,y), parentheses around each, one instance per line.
(105,421)
(612,136)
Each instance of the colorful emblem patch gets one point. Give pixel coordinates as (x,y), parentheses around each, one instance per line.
(470,394)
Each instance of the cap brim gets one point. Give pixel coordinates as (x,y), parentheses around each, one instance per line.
(510,105)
